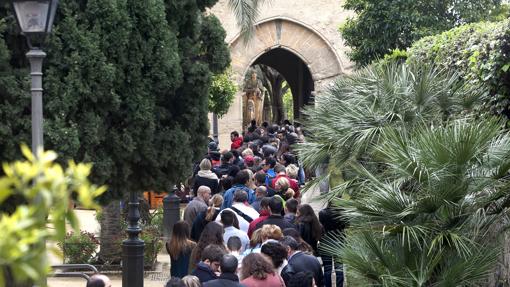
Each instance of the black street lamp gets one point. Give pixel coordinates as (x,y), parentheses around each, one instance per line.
(35,19)
(133,247)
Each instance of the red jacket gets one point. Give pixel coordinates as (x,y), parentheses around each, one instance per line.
(292,183)
(263,215)
(237,143)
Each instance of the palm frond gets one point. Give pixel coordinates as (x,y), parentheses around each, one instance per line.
(246,13)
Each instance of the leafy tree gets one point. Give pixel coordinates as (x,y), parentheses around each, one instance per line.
(221,93)
(382,26)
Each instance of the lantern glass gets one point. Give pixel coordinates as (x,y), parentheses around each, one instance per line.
(32,15)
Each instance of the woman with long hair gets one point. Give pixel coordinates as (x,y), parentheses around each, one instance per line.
(205,217)
(212,234)
(179,248)
(309,226)
(282,188)
(258,271)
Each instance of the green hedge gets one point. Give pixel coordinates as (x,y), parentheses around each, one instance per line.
(479,53)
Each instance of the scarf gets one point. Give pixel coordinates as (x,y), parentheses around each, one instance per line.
(207,174)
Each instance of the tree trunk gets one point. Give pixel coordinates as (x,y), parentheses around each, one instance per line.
(111,235)
(273,81)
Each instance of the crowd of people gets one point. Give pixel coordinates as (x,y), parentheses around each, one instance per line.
(246,225)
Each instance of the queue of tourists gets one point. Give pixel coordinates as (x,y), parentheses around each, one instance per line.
(246,225)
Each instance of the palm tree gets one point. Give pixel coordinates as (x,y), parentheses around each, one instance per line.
(246,13)
(430,215)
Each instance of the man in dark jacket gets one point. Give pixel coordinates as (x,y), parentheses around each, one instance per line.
(299,261)
(276,218)
(228,277)
(209,263)
(227,168)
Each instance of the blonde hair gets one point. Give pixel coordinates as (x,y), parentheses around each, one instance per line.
(271,231)
(246,152)
(256,238)
(205,164)
(283,183)
(292,171)
(191,281)
(216,201)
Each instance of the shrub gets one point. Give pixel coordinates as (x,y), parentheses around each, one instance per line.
(479,53)
(79,248)
(153,243)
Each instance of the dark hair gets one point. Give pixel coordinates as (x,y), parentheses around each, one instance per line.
(256,265)
(291,205)
(275,205)
(289,241)
(275,251)
(228,263)
(227,182)
(95,281)
(175,282)
(226,156)
(227,217)
(265,124)
(240,195)
(307,215)
(242,177)
(265,202)
(215,155)
(235,153)
(303,245)
(180,241)
(234,243)
(289,158)
(212,234)
(300,279)
(271,162)
(260,177)
(235,133)
(251,129)
(212,253)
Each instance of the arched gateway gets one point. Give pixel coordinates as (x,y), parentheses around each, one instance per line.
(300,53)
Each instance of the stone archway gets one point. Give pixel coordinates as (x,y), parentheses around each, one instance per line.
(274,40)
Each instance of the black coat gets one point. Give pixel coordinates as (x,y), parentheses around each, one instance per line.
(225,280)
(277,220)
(204,273)
(213,184)
(302,262)
(199,224)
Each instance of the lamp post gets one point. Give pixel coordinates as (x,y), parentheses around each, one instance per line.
(133,247)
(35,19)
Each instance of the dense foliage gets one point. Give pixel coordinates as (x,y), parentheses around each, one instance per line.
(47,189)
(382,26)
(479,53)
(221,93)
(126,87)
(421,181)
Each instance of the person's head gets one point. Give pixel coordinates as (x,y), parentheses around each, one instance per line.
(264,204)
(175,282)
(215,202)
(290,244)
(234,135)
(279,168)
(205,164)
(282,184)
(303,245)
(215,155)
(287,158)
(212,234)
(212,255)
(276,205)
(256,239)
(191,281)
(301,279)
(276,252)
(256,265)
(249,161)
(234,244)
(212,146)
(228,264)
(242,177)
(261,191)
(227,157)
(180,239)
(260,178)
(227,218)
(240,196)
(270,231)
(291,206)
(292,171)
(99,280)
(246,152)
(204,192)
(227,182)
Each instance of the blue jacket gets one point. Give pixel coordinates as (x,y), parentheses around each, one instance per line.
(204,273)
(228,197)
